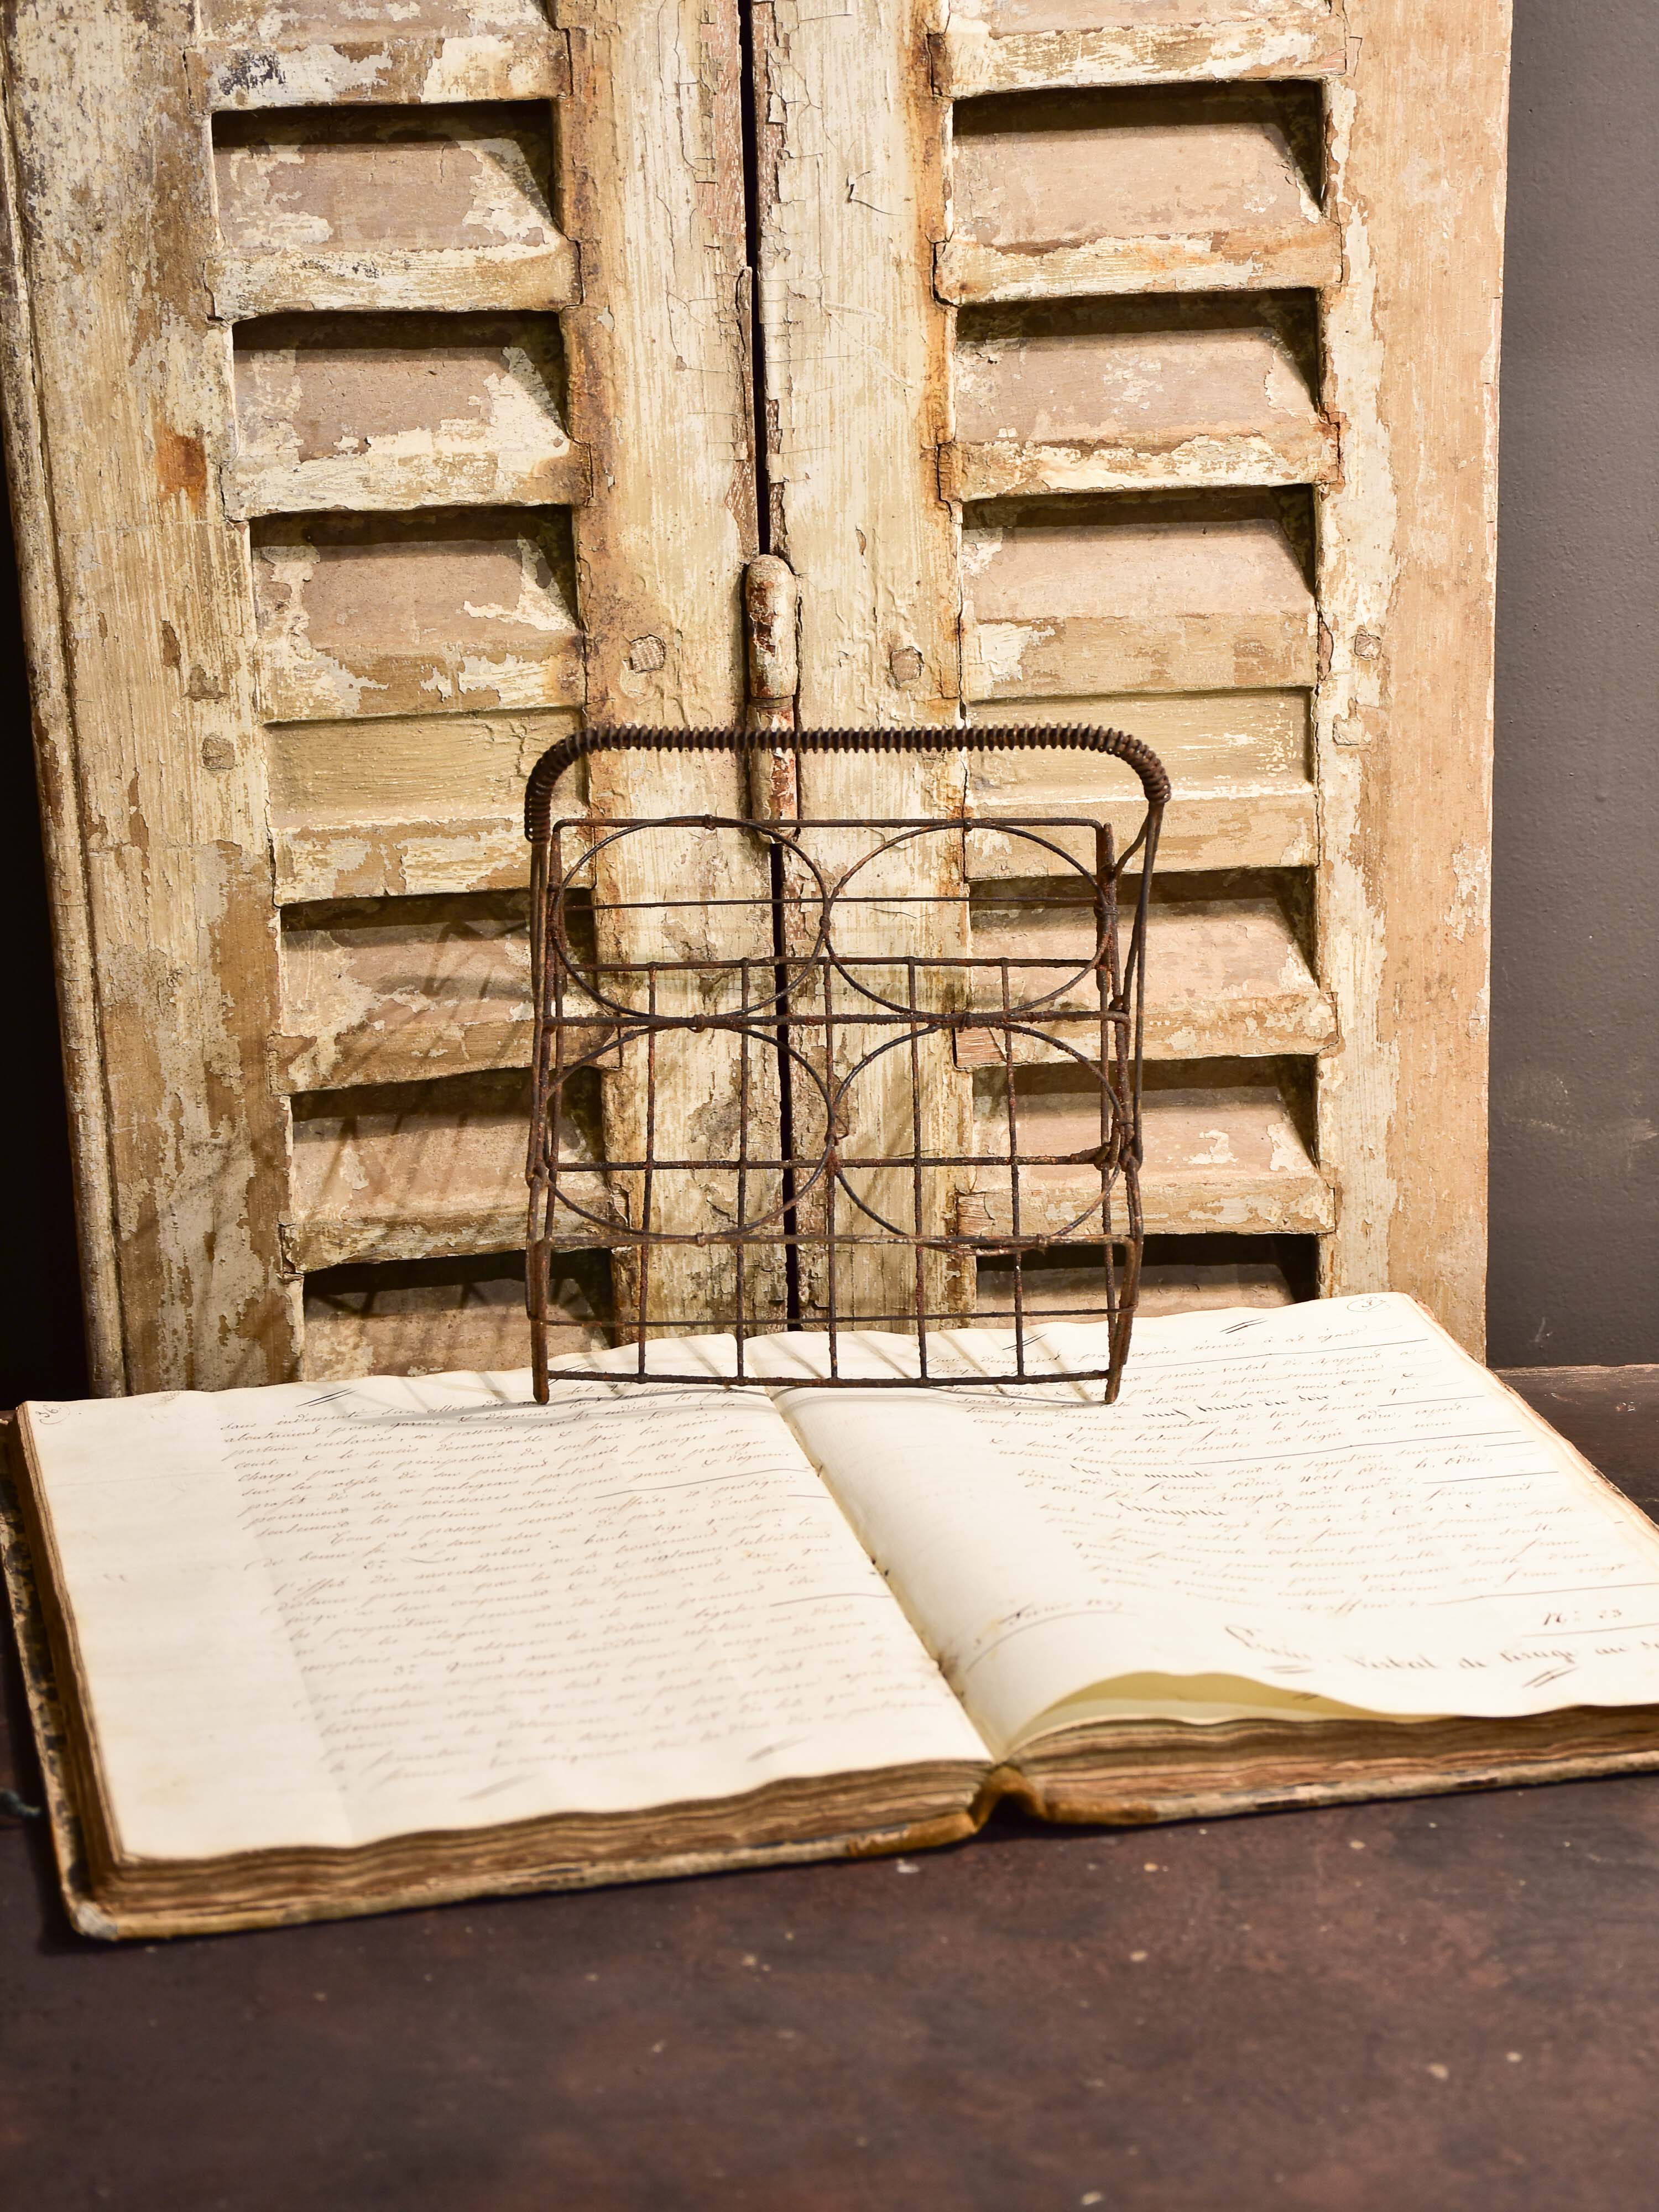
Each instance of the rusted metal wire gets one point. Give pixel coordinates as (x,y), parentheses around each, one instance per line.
(843,981)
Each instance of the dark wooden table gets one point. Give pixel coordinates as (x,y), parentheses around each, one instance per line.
(1407,2008)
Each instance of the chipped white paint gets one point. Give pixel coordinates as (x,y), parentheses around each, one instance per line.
(192,1042)
(1219,594)
(62,818)
(854,335)
(403,806)
(1216,1157)
(296,22)
(295,679)
(286,182)
(1238,761)
(327,71)
(651,146)
(857,363)
(1226,977)
(998,651)
(1206,829)
(354,622)
(984,48)
(452,279)
(389,421)
(1007,467)
(1131,395)
(1471,906)
(1094,195)
(404,860)
(362,215)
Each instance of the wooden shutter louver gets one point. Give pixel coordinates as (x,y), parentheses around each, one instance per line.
(380,406)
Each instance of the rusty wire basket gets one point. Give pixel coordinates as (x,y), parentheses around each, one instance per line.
(758,1043)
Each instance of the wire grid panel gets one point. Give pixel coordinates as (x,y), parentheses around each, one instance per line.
(788,1017)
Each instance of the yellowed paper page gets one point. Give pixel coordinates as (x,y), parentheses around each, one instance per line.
(330,1614)
(1325,1504)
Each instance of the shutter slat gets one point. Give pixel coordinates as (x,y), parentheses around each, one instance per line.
(1013,49)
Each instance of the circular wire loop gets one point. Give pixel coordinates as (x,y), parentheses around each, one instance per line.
(1102,906)
(586,976)
(623,1233)
(992,1162)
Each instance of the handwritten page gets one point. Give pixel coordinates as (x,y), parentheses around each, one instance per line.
(331,1613)
(1320,1508)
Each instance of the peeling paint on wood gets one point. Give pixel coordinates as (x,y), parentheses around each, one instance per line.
(1243,793)
(114,195)
(1069,195)
(290,58)
(45,646)
(365,617)
(1219,599)
(1226,977)
(367,413)
(414,1171)
(366,209)
(652,150)
(1217,1158)
(1132,395)
(432,1316)
(393,990)
(853,148)
(404,860)
(1017,46)
(404,805)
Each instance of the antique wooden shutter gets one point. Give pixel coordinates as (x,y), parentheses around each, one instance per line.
(1135,360)
(379,403)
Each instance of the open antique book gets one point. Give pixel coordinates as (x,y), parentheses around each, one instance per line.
(327,1649)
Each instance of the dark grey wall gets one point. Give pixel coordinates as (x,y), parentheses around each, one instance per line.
(42,1343)
(1575,1100)
(1575,1194)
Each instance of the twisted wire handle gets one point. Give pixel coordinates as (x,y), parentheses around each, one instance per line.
(1081,736)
